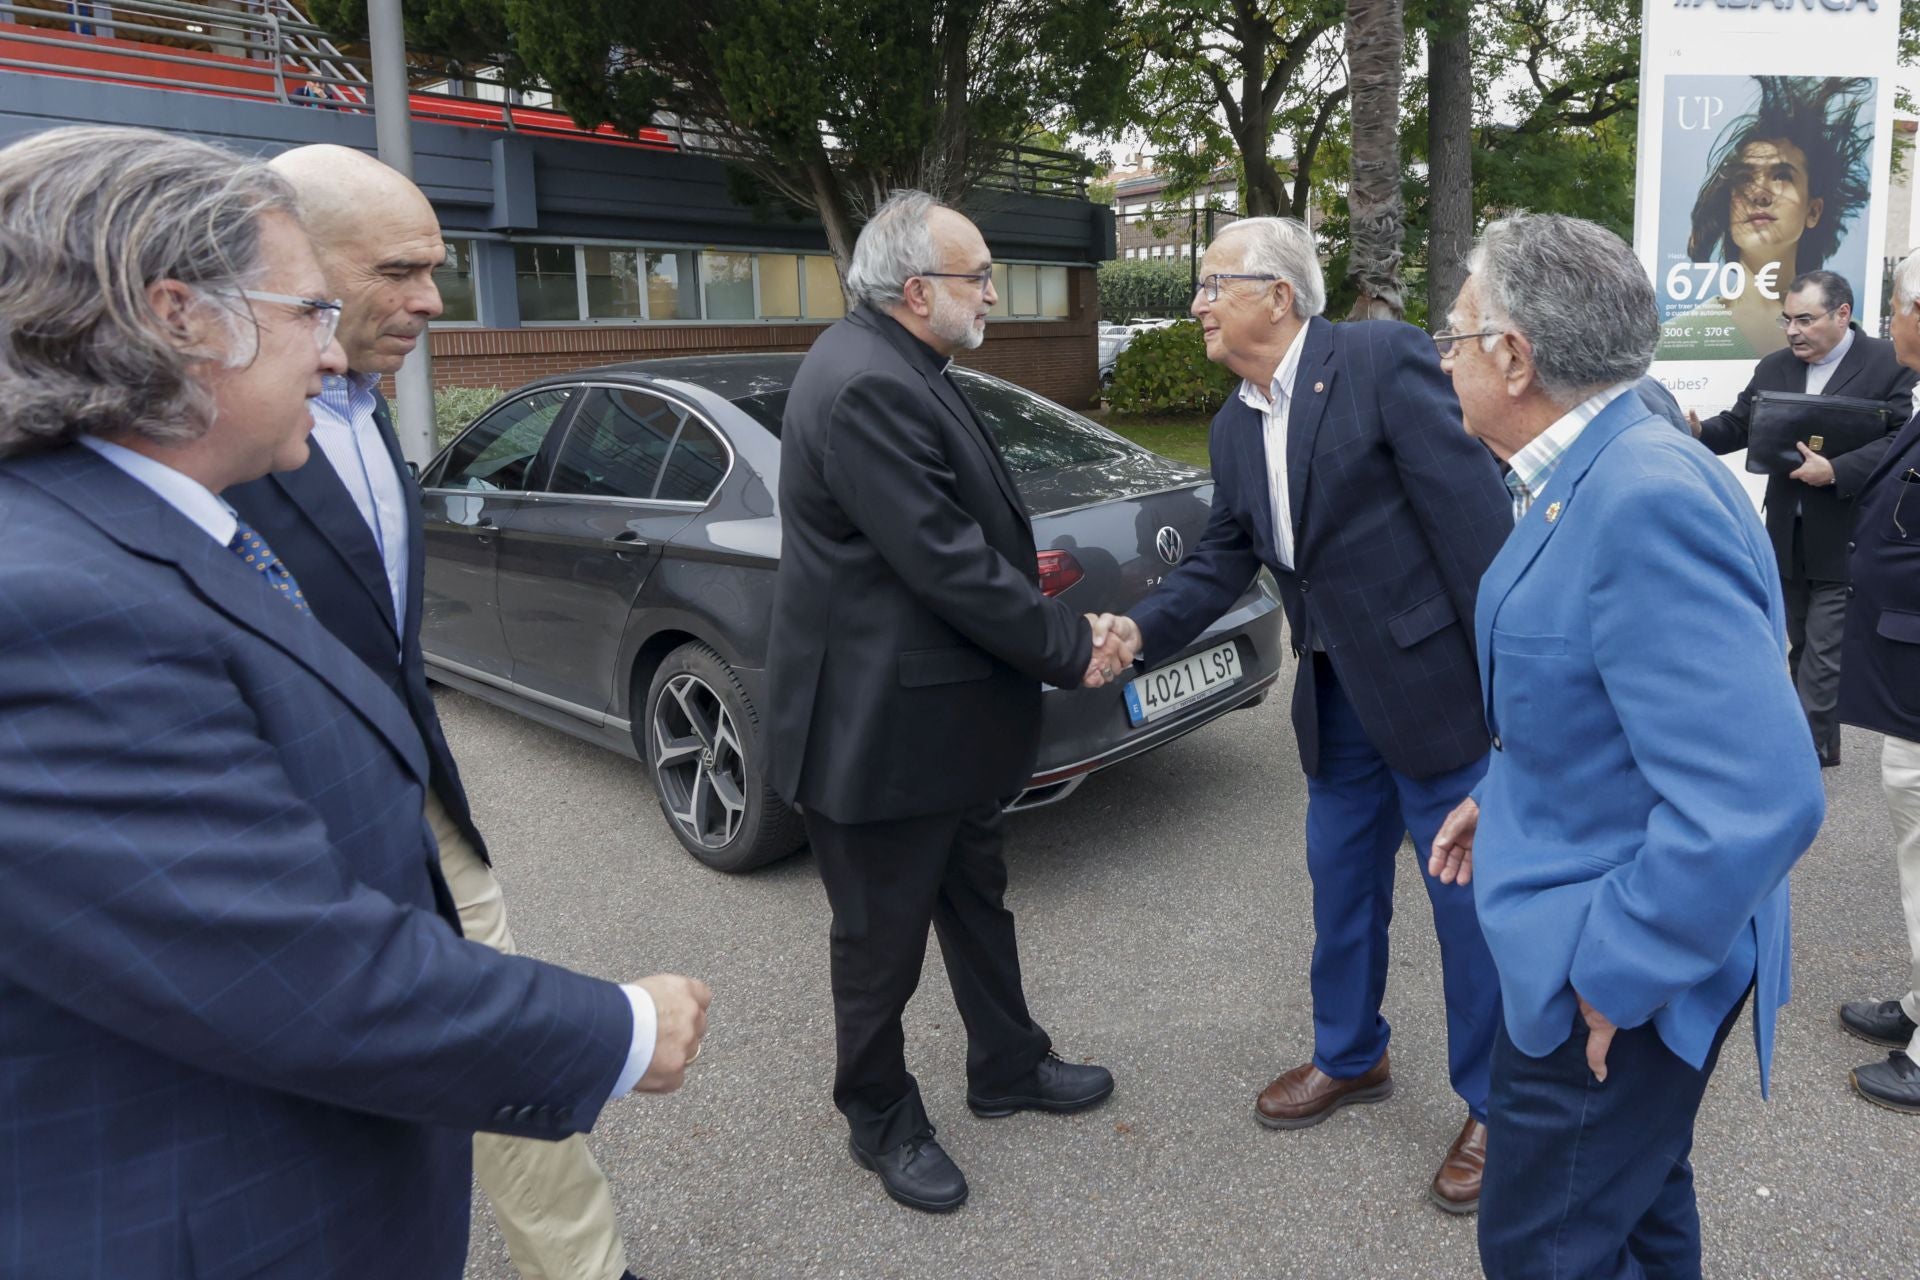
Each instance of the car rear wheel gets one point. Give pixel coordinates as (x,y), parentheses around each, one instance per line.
(702,742)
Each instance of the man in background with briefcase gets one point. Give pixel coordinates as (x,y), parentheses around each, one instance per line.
(1810,508)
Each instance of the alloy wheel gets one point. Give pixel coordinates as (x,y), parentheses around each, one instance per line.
(699,763)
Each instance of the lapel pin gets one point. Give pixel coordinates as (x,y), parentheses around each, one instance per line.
(1319,386)
(1553,512)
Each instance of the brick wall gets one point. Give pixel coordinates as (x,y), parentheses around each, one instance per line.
(1056,358)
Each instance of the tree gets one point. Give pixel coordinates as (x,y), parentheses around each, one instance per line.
(1449,153)
(824,105)
(1375,39)
(1219,81)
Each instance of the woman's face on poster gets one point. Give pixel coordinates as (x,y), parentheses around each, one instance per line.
(1770,206)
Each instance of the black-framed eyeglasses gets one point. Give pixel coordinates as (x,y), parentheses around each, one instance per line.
(982,280)
(1791,322)
(1210,285)
(1443,341)
(323,313)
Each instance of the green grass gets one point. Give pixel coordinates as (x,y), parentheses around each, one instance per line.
(1184,439)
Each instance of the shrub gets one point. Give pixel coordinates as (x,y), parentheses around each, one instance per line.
(1167,371)
(1144,287)
(455,407)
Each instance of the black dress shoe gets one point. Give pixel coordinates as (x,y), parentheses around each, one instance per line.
(1053,1086)
(918,1174)
(1893,1084)
(1881,1022)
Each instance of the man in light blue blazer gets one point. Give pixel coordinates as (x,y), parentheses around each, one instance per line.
(1651,782)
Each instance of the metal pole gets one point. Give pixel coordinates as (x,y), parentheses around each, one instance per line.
(393,132)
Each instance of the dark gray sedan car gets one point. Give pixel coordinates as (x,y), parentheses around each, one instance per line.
(600,556)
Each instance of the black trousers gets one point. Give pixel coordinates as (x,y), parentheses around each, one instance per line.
(887,881)
(1816,621)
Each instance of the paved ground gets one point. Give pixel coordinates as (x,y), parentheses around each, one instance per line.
(1165,931)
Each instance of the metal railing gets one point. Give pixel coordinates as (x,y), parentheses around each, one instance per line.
(268,50)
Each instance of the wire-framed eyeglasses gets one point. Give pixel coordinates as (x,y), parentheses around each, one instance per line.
(1210,285)
(1443,341)
(323,314)
(1803,322)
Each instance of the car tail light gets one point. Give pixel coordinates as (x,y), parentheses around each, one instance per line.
(1058,571)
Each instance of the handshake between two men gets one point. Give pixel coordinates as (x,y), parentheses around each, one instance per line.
(1116,643)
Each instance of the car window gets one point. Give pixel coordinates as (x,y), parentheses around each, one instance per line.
(617,444)
(695,467)
(498,451)
(1036,434)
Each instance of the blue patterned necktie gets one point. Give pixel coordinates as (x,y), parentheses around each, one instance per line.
(253,549)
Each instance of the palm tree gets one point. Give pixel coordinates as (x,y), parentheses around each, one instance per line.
(1375,51)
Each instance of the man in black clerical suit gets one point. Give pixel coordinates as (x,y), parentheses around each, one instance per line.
(909,643)
(1810,512)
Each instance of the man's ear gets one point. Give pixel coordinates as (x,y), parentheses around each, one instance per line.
(918,295)
(1516,356)
(176,309)
(1282,300)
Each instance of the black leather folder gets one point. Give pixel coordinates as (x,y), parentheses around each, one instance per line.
(1828,425)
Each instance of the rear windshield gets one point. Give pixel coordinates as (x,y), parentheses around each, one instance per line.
(1034,434)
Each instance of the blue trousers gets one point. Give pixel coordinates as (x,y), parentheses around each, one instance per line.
(1358,810)
(1591,1181)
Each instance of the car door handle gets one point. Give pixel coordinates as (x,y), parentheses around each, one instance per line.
(485,526)
(625,542)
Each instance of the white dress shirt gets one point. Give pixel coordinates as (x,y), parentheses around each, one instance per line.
(175,488)
(1273,407)
(205,509)
(344,429)
(1820,372)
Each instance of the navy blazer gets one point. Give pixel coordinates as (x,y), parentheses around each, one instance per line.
(309,519)
(239,1035)
(1396,513)
(1880,653)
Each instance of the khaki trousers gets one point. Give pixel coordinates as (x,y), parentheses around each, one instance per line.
(1900,778)
(550,1198)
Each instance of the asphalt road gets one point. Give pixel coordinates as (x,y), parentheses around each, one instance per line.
(1165,932)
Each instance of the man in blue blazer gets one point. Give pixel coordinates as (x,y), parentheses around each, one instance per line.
(348,525)
(1880,690)
(1339,464)
(240,1035)
(1652,780)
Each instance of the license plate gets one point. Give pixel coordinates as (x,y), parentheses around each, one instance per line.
(1173,686)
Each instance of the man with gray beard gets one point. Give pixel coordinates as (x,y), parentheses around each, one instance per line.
(909,643)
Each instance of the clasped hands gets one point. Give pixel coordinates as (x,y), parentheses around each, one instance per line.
(1116,642)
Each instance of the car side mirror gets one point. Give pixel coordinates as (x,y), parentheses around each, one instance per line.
(413,469)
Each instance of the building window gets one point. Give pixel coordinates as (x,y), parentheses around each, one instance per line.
(779,286)
(727,284)
(613,283)
(547,281)
(454,279)
(671,294)
(825,301)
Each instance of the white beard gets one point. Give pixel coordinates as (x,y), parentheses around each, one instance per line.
(952,322)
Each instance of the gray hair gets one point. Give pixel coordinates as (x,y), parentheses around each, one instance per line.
(1906,282)
(894,246)
(1283,247)
(90,218)
(1575,291)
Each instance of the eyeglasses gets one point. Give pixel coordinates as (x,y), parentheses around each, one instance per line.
(1443,341)
(1210,285)
(324,315)
(1908,479)
(1791,322)
(982,280)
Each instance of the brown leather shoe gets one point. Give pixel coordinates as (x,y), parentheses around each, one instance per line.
(1456,1188)
(1307,1095)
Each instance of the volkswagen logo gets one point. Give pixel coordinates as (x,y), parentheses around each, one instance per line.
(706,759)
(1167,543)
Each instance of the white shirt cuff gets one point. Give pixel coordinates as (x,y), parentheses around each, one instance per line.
(645,1025)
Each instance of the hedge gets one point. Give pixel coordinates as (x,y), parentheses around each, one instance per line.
(1167,371)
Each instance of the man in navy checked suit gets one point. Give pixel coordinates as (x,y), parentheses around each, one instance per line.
(240,1034)
(1340,464)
